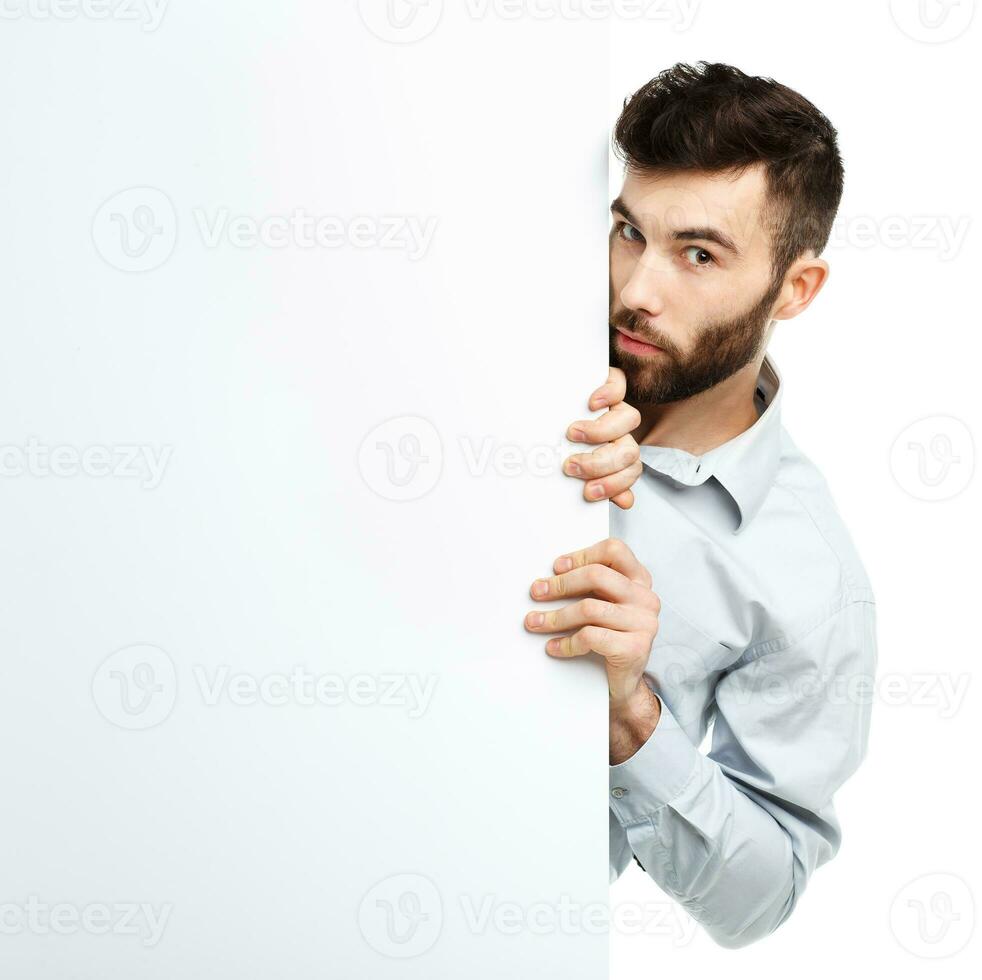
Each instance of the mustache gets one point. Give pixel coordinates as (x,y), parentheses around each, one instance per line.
(634,323)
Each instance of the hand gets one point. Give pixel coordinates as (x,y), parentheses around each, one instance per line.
(618,618)
(613,468)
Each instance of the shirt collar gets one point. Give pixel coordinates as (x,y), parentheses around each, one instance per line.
(746,465)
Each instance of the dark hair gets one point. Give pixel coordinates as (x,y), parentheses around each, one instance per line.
(714,118)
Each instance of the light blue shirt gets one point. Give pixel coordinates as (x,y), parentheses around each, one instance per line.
(767,636)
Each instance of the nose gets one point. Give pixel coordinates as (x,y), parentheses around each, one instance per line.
(644,289)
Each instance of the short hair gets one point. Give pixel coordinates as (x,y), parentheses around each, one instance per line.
(715,118)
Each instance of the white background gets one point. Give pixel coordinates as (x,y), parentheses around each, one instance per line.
(258,375)
(278,838)
(891,340)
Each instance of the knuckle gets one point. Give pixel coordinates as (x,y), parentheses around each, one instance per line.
(626,455)
(616,547)
(599,636)
(595,609)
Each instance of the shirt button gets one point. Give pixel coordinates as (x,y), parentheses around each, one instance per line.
(617,792)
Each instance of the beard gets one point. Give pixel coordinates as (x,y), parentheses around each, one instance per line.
(721,349)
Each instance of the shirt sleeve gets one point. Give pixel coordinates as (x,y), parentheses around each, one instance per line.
(734,835)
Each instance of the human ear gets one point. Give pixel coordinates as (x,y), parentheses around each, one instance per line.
(801,285)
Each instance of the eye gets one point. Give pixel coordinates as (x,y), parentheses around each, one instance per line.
(627,232)
(695,255)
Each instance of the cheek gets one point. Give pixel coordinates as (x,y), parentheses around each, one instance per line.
(716,296)
(690,302)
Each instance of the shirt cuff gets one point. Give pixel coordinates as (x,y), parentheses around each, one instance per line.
(655,774)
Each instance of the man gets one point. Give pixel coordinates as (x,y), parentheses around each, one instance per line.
(730,595)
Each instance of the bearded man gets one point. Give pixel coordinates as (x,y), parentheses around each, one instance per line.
(730,600)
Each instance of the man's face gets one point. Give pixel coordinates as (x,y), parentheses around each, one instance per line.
(691,287)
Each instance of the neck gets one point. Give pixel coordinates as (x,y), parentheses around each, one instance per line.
(706,420)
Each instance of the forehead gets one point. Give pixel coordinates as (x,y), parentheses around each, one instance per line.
(731,203)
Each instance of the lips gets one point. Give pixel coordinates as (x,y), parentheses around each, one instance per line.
(637,345)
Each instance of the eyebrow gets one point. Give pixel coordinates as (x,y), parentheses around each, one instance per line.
(705,234)
(617,206)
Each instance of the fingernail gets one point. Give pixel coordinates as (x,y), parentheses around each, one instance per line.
(577,435)
(596,491)
(540,587)
(535,619)
(573,469)
(564,564)
(601,401)
(552,646)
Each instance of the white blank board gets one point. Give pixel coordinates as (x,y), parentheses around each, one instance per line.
(299,300)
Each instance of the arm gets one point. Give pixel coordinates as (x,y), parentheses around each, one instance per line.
(735,835)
